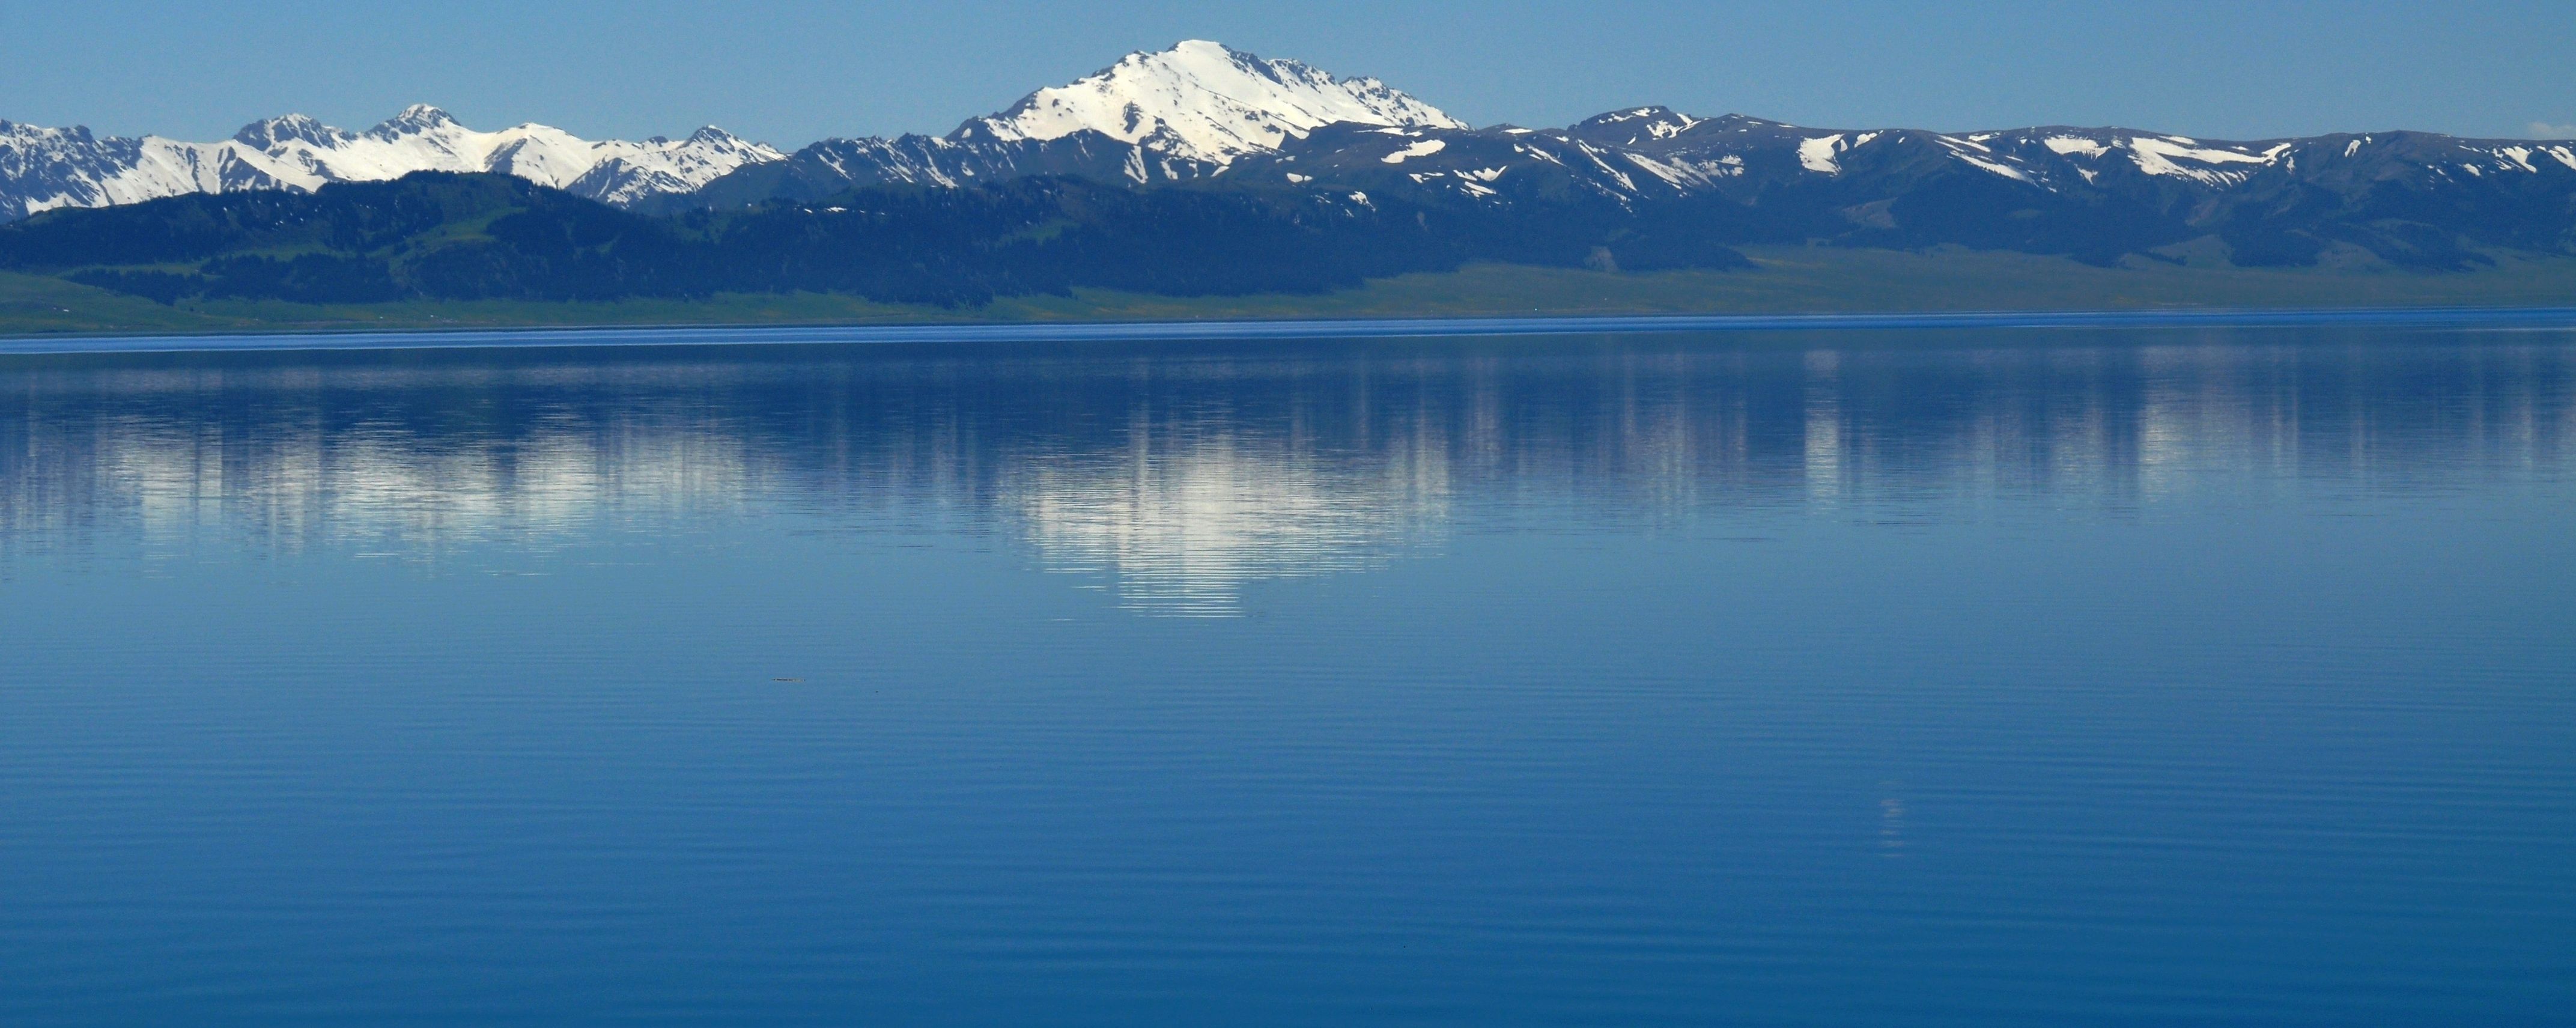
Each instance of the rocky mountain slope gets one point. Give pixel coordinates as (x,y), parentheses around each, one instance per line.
(46,168)
(1651,184)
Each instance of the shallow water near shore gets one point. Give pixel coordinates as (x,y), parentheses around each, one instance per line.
(2076,675)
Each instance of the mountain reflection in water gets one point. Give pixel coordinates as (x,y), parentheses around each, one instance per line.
(2040,677)
(1178,476)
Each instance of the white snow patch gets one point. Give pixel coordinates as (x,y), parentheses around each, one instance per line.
(2162,156)
(1959,148)
(1626,184)
(2075,145)
(1424,148)
(1818,154)
(1686,174)
(1998,168)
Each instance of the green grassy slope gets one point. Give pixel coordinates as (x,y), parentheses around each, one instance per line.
(1788,280)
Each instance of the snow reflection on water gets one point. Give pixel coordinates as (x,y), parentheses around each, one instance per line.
(1180,478)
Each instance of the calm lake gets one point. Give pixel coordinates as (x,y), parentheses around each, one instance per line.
(2115,676)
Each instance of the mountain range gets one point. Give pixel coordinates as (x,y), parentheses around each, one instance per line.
(1291,148)
(45,168)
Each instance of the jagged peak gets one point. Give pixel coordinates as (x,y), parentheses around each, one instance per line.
(79,133)
(414,119)
(1650,113)
(1203,100)
(269,133)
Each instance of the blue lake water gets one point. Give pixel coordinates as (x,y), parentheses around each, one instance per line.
(2134,674)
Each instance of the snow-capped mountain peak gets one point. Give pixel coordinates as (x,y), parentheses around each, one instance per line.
(1204,101)
(41,169)
(271,133)
(417,119)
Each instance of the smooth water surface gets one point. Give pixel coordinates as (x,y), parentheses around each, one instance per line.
(2141,676)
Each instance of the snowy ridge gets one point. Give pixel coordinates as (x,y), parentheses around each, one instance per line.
(1636,125)
(45,168)
(1200,109)
(1204,101)
(2213,165)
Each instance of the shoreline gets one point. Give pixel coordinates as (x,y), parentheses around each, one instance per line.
(1790,287)
(548,337)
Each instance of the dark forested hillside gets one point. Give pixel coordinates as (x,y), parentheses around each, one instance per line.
(453,236)
(1358,205)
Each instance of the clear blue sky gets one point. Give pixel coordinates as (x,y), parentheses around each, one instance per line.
(793,72)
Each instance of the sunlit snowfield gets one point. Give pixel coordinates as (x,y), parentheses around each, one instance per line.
(2134,676)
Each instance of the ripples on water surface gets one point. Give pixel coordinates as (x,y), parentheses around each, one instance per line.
(2139,676)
